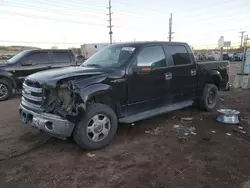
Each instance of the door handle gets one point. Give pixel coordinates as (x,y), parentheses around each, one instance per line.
(193,72)
(168,76)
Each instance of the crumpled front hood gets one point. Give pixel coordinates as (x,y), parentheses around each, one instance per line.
(51,77)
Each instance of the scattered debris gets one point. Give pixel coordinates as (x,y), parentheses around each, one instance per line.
(175,117)
(246,120)
(240,127)
(246,184)
(228,134)
(228,116)
(213,131)
(187,119)
(90,155)
(156,131)
(239,131)
(132,124)
(222,99)
(176,126)
(185,130)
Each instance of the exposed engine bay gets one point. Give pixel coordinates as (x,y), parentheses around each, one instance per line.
(63,101)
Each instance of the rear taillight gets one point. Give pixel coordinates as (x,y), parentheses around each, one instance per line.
(228,69)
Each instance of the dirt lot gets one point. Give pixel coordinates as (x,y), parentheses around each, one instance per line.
(151,154)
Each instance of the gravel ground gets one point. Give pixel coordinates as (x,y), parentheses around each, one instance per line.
(151,154)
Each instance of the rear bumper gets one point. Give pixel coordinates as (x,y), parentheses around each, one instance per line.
(46,122)
(227,88)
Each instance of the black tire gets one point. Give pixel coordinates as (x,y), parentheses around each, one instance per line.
(80,134)
(205,101)
(9,90)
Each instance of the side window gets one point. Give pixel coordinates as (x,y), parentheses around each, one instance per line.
(179,54)
(38,58)
(61,57)
(152,56)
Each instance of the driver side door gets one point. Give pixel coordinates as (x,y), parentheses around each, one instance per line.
(147,82)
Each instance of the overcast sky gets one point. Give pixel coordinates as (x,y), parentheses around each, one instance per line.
(68,23)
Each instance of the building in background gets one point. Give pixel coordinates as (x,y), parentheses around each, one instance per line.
(88,50)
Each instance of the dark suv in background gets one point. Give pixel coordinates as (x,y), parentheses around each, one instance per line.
(14,71)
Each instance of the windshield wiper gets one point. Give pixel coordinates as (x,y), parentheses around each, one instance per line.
(93,65)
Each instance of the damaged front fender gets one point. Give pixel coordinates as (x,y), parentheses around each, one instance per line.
(94,90)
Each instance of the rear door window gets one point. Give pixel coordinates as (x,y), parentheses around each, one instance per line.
(38,58)
(179,55)
(61,57)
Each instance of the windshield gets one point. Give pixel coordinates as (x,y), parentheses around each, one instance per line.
(110,57)
(16,57)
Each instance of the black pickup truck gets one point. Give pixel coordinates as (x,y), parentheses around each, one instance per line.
(121,83)
(14,70)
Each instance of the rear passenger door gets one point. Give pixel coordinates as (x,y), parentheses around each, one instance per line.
(61,59)
(183,69)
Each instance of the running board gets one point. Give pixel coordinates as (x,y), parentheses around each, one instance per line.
(155,112)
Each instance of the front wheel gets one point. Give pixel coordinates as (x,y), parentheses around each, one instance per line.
(209,98)
(5,90)
(97,128)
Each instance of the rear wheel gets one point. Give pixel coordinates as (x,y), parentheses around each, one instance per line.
(97,128)
(5,89)
(209,98)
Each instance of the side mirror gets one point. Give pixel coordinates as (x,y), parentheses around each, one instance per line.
(27,63)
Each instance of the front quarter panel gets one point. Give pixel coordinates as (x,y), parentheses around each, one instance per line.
(112,85)
(94,90)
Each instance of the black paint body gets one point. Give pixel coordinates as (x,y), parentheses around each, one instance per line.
(133,90)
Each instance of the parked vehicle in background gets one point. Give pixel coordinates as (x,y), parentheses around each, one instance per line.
(14,70)
(238,56)
(5,57)
(225,56)
(88,50)
(212,56)
(231,56)
(124,83)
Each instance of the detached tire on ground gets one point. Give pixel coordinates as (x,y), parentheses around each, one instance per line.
(97,128)
(5,90)
(209,98)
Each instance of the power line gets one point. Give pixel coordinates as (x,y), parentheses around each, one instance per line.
(16,5)
(48,18)
(37,42)
(132,14)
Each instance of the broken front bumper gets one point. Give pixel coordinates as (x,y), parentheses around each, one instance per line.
(46,122)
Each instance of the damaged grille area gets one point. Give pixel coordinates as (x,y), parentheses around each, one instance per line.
(32,95)
(59,100)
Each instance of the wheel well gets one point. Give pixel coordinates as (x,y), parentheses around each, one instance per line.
(107,100)
(8,80)
(216,81)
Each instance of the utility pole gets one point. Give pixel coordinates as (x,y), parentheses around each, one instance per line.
(244,54)
(170,28)
(110,22)
(241,41)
